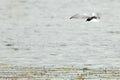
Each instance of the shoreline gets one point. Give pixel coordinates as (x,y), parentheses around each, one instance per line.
(9,72)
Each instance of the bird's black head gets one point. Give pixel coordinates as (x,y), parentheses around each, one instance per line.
(90,18)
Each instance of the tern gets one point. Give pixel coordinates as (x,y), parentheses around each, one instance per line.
(94,17)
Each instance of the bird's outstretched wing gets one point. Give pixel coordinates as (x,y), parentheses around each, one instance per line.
(78,16)
(85,16)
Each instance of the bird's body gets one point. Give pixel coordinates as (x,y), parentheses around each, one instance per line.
(90,18)
(93,19)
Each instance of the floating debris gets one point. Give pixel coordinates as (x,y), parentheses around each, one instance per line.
(9,44)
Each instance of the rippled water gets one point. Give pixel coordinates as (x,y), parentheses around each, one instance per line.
(39,32)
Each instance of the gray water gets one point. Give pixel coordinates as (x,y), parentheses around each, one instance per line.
(39,32)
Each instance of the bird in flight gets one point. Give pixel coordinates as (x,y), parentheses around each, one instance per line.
(92,17)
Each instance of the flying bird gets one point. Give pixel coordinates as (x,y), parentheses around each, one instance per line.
(95,17)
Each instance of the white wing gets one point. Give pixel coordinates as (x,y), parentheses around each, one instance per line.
(77,16)
(85,16)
